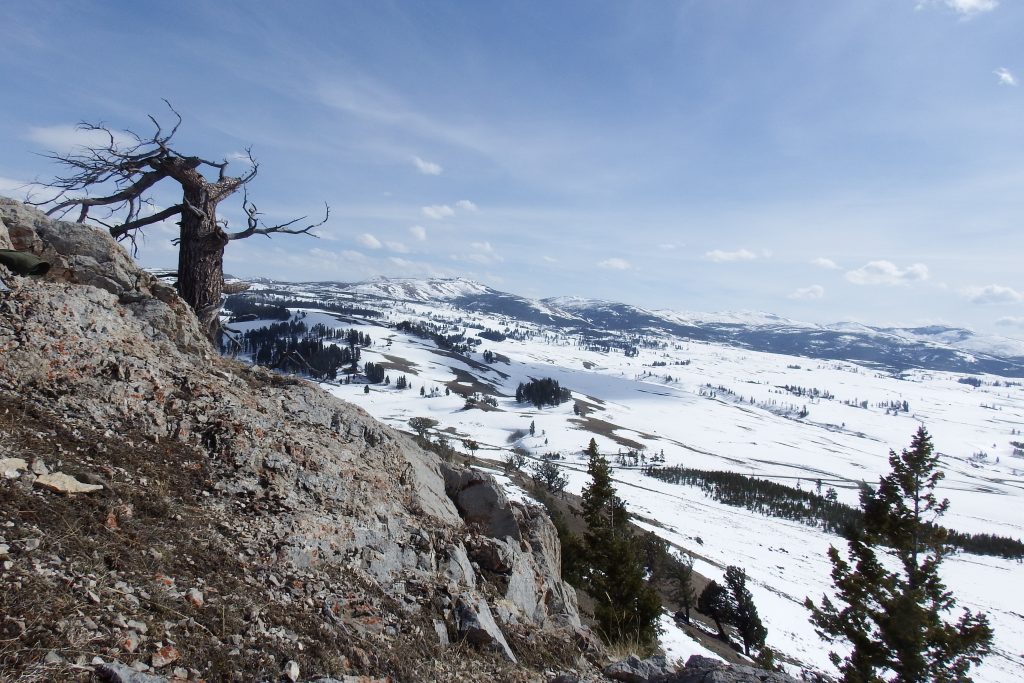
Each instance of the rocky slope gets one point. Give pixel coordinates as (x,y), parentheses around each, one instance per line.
(168,514)
(232,521)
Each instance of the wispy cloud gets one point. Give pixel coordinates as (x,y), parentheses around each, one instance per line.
(808,293)
(65,138)
(427,167)
(887,273)
(369,241)
(1005,77)
(397,247)
(20,189)
(438,211)
(419,232)
(720,256)
(614,263)
(826,263)
(965,7)
(549,259)
(993,294)
(1011,321)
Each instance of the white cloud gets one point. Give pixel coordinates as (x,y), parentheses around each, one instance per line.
(350,255)
(20,189)
(807,293)
(615,263)
(369,241)
(427,167)
(993,294)
(1005,77)
(397,247)
(719,256)
(964,7)
(1011,321)
(668,246)
(238,157)
(438,211)
(400,262)
(324,235)
(826,263)
(419,232)
(71,138)
(887,273)
(972,6)
(483,253)
(549,259)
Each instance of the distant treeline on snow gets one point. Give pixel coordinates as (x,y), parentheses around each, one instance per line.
(541,392)
(319,351)
(250,306)
(808,507)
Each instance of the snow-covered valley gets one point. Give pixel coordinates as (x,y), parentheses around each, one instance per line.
(814,423)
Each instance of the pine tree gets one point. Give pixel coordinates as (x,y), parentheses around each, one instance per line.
(742,611)
(894,621)
(714,602)
(626,608)
(682,575)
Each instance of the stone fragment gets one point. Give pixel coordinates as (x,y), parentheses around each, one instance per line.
(116,672)
(130,641)
(195,597)
(11,468)
(442,633)
(291,670)
(65,483)
(164,656)
(139,626)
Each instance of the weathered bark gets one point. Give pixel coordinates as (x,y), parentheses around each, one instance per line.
(201,263)
(202,239)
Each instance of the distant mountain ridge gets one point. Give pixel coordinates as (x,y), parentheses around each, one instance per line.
(934,347)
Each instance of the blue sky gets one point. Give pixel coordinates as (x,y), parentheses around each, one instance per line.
(842,160)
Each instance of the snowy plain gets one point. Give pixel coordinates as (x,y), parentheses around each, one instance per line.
(712,406)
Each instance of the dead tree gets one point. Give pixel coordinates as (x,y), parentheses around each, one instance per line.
(122,174)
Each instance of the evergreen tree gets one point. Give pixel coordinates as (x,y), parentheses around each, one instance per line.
(742,611)
(626,608)
(682,576)
(894,620)
(714,602)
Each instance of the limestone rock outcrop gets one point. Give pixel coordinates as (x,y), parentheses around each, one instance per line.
(307,485)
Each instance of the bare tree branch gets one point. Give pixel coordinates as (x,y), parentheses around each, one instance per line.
(119,231)
(258,227)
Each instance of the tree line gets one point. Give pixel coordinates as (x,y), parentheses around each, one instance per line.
(773,499)
(542,392)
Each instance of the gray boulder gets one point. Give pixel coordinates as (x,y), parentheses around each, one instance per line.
(700,669)
(632,669)
(477,626)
